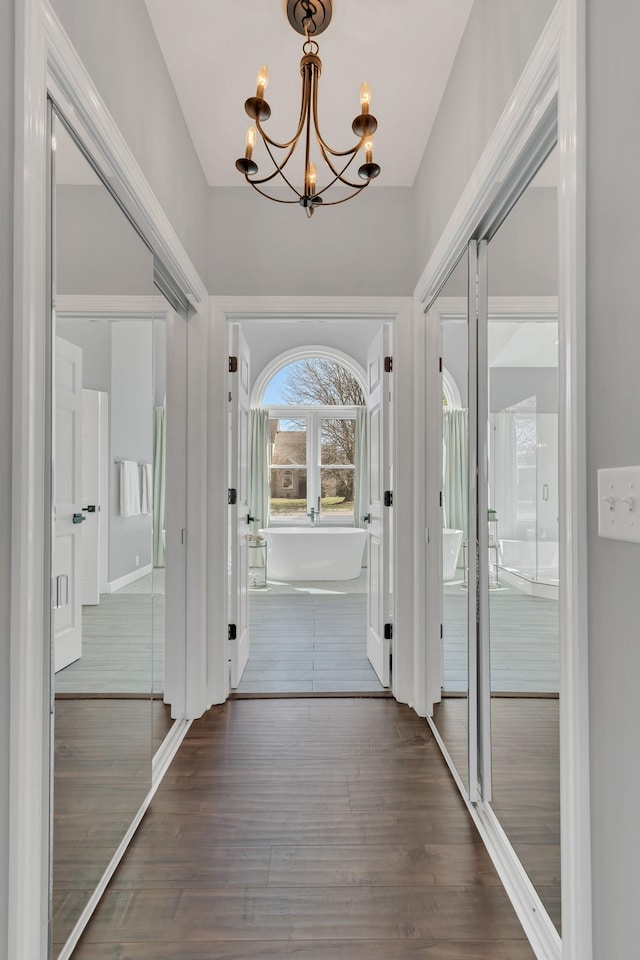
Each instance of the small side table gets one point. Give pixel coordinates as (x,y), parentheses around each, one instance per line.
(258,545)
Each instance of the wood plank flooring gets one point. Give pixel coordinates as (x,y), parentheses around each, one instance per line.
(102,773)
(324,829)
(308,642)
(525,641)
(525,737)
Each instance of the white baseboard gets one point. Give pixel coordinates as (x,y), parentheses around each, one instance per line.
(114,585)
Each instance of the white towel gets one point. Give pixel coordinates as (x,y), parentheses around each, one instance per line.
(146,501)
(129,489)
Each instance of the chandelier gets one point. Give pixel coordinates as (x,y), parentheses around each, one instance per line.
(309,18)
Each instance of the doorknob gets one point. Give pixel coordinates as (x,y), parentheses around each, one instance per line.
(367,518)
(79,518)
(251,519)
(90,509)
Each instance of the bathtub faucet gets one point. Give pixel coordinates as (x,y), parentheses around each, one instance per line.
(314,514)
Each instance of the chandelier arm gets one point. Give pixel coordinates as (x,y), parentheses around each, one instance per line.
(278,166)
(339,175)
(303,109)
(322,142)
(279,169)
(275,199)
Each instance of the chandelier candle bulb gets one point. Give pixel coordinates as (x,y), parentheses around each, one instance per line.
(365,98)
(311,178)
(250,142)
(368,147)
(262,81)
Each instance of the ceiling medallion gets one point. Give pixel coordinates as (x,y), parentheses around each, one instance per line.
(309,18)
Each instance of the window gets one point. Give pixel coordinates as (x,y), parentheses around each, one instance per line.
(312,440)
(312,464)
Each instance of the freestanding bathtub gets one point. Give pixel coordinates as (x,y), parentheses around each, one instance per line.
(451,541)
(315,553)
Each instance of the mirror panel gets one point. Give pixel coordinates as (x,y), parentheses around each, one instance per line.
(108,596)
(451,714)
(524,575)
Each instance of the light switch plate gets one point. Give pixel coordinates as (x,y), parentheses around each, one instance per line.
(619,503)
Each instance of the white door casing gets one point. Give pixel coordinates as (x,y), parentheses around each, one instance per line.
(378,564)
(239,390)
(67,565)
(93,465)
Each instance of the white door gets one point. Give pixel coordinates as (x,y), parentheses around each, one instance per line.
(93,466)
(67,553)
(378,553)
(239,386)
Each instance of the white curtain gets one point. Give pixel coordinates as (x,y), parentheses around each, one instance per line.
(259,467)
(503,473)
(159,483)
(361,478)
(455,437)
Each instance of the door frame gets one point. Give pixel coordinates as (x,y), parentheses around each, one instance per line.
(555,70)
(407,683)
(47,64)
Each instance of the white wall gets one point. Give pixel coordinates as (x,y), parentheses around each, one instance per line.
(498,40)
(118,46)
(361,248)
(6,316)
(268,339)
(613,410)
(97,249)
(131,438)
(117,357)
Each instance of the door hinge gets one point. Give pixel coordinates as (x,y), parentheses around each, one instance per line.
(440,493)
(233,364)
(232,495)
(440,364)
(441,632)
(233,631)
(388,364)
(388,631)
(388,498)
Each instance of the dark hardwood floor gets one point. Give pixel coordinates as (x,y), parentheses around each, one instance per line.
(525,734)
(324,828)
(102,773)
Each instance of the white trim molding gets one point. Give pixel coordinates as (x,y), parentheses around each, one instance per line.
(555,71)
(47,63)
(304,353)
(407,680)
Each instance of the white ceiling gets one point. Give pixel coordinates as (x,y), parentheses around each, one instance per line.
(404,49)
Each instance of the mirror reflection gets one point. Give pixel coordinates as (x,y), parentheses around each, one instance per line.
(524,572)
(451,714)
(109,532)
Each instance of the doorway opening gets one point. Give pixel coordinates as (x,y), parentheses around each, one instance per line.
(308,562)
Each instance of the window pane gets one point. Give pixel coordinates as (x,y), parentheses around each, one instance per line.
(337,488)
(337,441)
(288,492)
(288,442)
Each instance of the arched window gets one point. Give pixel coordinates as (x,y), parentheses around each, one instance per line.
(313,396)
(450,394)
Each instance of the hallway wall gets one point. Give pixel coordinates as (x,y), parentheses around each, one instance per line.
(361,248)
(118,46)
(613,439)
(498,40)
(352,338)
(7,142)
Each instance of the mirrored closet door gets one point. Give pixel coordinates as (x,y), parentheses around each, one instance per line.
(495,322)
(117,516)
